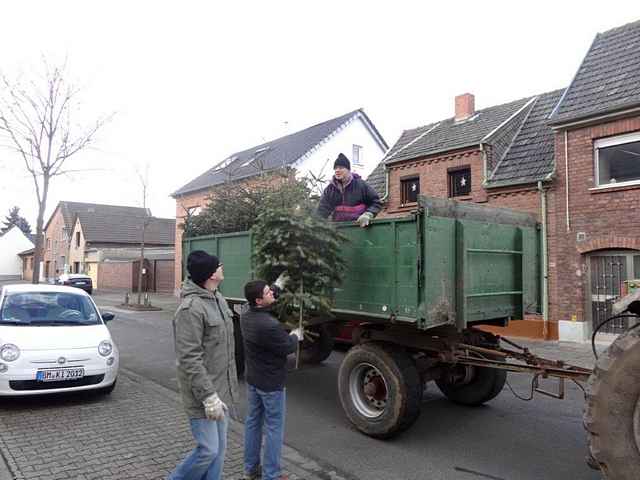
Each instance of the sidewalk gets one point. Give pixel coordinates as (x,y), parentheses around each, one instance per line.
(139,432)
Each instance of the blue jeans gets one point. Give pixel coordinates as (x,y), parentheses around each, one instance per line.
(266,411)
(206,461)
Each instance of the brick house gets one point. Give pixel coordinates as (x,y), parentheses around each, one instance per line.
(77,234)
(514,156)
(311,150)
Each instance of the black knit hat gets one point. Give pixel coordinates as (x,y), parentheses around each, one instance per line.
(201,266)
(342,161)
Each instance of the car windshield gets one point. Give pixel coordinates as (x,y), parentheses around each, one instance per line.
(47,309)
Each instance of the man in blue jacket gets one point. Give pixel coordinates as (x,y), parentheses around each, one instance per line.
(348,197)
(266,346)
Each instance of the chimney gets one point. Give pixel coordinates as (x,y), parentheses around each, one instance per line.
(465,106)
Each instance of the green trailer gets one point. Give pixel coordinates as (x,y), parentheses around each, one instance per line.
(414,291)
(449,263)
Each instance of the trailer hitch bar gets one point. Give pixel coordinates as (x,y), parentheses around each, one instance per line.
(498,357)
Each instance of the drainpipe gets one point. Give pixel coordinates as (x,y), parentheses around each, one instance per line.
(386,184)
(545,264)
(566,177)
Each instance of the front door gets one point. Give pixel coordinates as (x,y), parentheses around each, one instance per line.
(608,271)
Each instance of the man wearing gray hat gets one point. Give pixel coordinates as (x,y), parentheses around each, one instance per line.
(348,197)
(204,344)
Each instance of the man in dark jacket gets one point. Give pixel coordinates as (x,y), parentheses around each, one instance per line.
(348,197)
(266,346)
(204,343)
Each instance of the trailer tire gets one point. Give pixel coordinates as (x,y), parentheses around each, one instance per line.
(485,384)
(317,350)
(612,413)
(380,389)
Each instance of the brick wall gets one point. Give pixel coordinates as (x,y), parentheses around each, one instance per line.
(115,275)
(58,245)
(434,181)
(183,204)
(605,219)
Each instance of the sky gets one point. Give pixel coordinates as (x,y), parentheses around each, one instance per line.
(190,83)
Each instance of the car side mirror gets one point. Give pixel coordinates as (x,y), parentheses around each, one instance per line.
(107,316)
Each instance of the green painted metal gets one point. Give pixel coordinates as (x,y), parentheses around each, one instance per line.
(449,263)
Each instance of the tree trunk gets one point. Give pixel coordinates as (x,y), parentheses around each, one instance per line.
(38,253)
(144,226)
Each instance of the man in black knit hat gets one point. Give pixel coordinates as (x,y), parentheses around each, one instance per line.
(204,344)
(348,197)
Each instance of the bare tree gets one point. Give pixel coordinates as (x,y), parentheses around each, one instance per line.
(37,122)
(144,181)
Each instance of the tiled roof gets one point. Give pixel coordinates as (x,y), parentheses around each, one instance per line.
(530,157)
(275,154)
(377,179)
(608,79)
(71,209)
(103,227)
(450,135)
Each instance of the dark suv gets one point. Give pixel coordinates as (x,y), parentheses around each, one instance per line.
(77,280)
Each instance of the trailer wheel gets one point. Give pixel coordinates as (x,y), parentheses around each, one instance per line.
(471,386)
(612,414)
(315,350)
(380,389)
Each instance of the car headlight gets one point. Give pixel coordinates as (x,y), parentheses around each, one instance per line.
(9,352)
(105,348)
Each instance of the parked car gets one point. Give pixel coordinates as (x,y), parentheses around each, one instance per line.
(54,339)
(78,280)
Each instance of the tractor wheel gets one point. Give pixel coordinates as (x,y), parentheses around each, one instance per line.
(315,350)
(471,386)
(612,414)
(380,389)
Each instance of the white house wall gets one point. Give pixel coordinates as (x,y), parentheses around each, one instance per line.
(320,161)
(12,243)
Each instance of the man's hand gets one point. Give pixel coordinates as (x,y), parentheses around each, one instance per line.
(364,219)
(214,408)
(298,332)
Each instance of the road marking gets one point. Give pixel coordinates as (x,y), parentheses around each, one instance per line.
(477,474)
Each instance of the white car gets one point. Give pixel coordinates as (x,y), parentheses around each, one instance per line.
(54,339)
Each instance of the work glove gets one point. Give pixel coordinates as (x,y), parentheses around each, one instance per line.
(298,332)
(282,280)
(364,219)
(214,408)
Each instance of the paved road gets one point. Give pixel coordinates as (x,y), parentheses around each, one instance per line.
(506,440)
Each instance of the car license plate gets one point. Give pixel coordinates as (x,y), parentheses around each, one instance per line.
(81,283)
(59,374)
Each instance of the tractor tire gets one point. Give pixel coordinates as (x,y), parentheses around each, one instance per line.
(318,349)
(612,414)
(480,385)
(380,389)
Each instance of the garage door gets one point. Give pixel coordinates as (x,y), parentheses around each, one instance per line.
(164,275)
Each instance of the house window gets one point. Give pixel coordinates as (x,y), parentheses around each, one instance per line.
(460,182)
(77,240)
(617,160)
(193,211)
(409,190)
(76,267)
(356,158)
